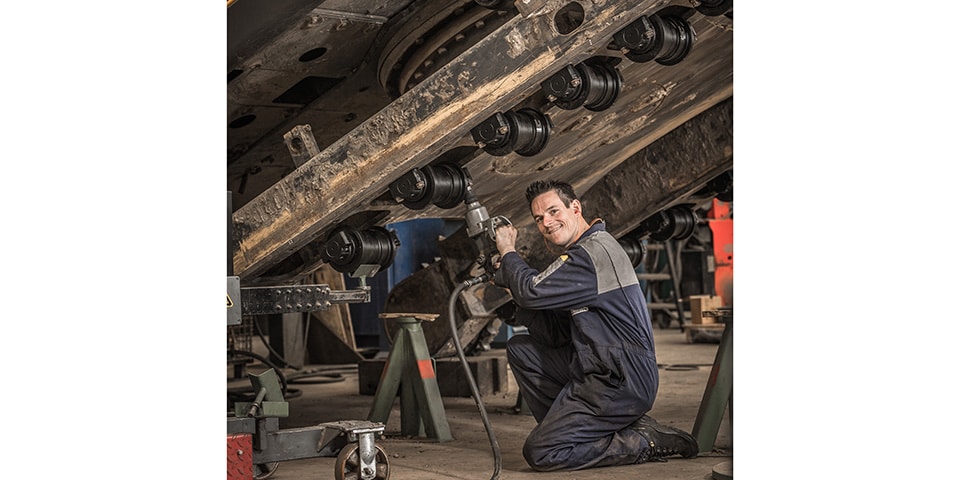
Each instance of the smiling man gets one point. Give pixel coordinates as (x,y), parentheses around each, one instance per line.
(587,369)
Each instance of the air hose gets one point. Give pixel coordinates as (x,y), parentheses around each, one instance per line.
(466,368)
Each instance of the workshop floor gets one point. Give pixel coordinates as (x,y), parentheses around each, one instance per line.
(685,368)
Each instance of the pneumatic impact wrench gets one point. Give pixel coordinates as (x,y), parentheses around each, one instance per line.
(482,228)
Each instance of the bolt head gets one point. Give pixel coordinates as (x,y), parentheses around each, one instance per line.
(636,35)
(561,84)
(491,130)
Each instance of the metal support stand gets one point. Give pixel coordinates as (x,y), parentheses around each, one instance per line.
(421,406)
(719,391)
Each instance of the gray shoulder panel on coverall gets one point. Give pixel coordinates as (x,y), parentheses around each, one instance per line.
(614,269)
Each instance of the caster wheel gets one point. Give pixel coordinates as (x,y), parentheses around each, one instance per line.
(263,471)
(347,466)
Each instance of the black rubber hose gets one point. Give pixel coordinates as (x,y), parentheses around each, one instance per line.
(466,368)
(331,375)
(263,338)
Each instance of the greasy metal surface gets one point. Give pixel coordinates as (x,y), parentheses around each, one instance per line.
(499,73)
(277,47)
(436,35)
(678,164)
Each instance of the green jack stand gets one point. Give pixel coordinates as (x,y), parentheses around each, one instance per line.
(410,370)
(719,392)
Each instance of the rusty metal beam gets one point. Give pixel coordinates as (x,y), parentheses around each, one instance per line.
(415,128)
(671,168)
(585,146)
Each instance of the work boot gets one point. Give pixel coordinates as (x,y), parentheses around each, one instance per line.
(664,441)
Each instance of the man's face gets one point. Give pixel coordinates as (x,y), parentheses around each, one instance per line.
(558,224)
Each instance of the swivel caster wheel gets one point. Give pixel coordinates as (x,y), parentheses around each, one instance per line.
(348,467)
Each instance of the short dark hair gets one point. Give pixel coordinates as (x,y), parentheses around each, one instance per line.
(564,191)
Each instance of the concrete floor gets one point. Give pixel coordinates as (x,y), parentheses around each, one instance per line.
(685,368)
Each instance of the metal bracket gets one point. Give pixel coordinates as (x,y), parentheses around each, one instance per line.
(297,298)
(336,435)
(269,401)
(301,144)
(365,271)
(528,7)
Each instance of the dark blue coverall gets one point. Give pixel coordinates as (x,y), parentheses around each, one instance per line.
(587,369)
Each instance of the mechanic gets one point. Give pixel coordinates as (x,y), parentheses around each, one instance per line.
(587,370)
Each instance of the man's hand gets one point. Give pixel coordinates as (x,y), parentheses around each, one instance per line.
(506,239)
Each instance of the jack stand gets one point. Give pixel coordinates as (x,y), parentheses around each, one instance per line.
(719,391)
(421,406)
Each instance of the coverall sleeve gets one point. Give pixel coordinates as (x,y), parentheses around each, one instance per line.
(569,282)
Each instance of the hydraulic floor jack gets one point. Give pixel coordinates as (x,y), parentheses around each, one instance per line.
(256,445)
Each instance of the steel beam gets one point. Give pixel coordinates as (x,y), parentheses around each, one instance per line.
(417,127)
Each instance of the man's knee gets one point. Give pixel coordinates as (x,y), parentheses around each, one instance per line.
(544,455)
(517,348)
(537,457)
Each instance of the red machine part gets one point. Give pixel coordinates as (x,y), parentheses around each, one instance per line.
(720,220)
(240,456)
